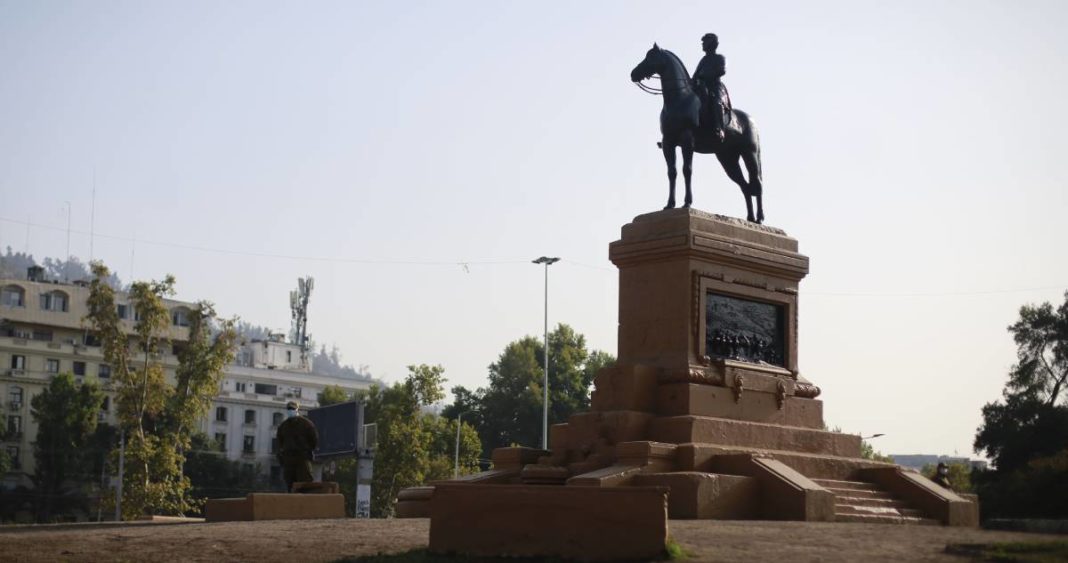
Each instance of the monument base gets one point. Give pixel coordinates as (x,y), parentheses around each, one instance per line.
(706,400)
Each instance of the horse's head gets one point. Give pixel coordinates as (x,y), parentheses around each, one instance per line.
(652,64)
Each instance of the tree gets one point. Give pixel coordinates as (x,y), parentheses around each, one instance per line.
(1025,434)
(211,475)
(1032,419)
(66,416)
(414,446)
(867,451)
(332,395)
(157,418)
(509,410)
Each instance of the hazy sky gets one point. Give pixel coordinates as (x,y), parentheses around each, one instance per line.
(915,149)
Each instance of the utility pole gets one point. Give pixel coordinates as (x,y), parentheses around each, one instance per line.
(545,383)
(456,472)
(298,306)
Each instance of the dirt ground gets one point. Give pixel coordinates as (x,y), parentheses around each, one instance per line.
(293,541)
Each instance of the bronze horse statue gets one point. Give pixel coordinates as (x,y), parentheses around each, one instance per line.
(681,127)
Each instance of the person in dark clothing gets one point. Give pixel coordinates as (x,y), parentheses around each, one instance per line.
(297,439)
(942,475)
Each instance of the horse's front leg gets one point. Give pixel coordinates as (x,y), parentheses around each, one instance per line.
(687,164)
(669,158)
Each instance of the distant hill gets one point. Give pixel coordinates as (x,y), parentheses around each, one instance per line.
(16,264)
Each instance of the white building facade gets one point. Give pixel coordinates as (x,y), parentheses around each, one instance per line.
(43,333)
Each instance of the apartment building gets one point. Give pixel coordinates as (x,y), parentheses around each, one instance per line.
(43,333)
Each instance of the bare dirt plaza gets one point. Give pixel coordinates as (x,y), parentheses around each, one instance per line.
(330,540)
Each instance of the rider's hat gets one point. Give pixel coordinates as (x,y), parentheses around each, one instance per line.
(292,406)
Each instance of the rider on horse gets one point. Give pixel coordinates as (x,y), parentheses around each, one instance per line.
(715,101)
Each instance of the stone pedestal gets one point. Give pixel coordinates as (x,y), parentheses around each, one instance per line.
(706,398)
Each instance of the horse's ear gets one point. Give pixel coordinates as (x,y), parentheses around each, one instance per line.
(656,47)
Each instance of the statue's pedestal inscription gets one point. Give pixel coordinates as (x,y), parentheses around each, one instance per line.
(706,401)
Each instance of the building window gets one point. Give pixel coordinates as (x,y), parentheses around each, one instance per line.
(79,369)
(220,414)
(13,296)
(274,445)
(105,405)
(250,416)
(52,366)
(180,316)
(18,362)
(90,339)
(103,371)
(14,425)
(240,386)
(289,356)
(14,394)
(264,389)
(276,418)
(13,455)
(220,441)
(122,310)
(54,301)
(42,335)
(249,445)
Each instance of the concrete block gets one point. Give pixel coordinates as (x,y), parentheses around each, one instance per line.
(588,523)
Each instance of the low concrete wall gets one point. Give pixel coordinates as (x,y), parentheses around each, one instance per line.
(785,494)
(695,494)
(589,523)
(275,506)
(937,502)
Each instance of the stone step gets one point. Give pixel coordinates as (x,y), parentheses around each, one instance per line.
(700,456)
(710,430)
(843,509)
(857,493)
(882,519)
(838,484)
(868,501)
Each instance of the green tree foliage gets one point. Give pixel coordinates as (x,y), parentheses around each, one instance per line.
(211,475)
(332,395)
(1025,434)
(509,410)
(960,475)
(66,416)
(414,446)
(867,451)
(156,417)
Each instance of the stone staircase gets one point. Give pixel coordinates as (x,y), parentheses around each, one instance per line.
(856,501)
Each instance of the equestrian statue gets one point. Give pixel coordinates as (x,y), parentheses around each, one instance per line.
(698,117)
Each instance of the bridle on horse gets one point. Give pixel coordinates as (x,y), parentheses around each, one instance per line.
(660,91)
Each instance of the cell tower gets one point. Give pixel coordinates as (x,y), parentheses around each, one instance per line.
(298,304)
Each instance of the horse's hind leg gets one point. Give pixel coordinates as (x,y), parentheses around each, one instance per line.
(756,182)
(734,172)
(687,164)
(669,158)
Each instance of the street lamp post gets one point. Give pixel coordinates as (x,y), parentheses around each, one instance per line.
(545,384)
(456,472)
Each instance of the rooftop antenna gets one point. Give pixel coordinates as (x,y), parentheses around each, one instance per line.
(66,267)
(92,219)
(298,305)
